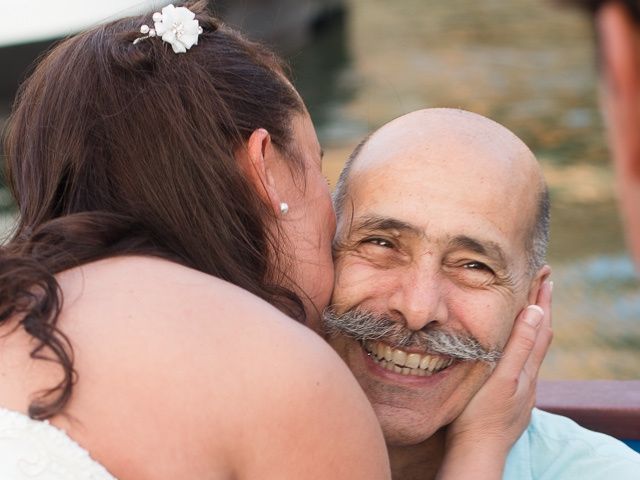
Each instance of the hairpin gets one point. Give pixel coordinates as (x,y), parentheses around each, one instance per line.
(176,26)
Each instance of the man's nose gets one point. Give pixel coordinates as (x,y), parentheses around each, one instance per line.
(419,297)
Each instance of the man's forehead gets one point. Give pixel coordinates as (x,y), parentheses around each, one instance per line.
(459,155)
(419,187)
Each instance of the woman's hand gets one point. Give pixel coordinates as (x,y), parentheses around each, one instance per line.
(479,440)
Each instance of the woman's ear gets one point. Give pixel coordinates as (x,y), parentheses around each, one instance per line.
(256,159)
(540,276)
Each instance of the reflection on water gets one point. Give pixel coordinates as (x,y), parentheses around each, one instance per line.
(529,66)
(322,72)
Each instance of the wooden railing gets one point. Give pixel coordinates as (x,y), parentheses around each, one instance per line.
(607,406)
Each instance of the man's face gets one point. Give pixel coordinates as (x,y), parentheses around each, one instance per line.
(435,240)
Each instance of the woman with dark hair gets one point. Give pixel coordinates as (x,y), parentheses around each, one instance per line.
(170,195)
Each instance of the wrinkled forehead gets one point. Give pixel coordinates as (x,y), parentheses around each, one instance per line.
(466,167)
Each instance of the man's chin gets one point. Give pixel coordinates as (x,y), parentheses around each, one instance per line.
(406,433)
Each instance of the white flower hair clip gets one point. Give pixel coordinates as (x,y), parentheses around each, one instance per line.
(175,25)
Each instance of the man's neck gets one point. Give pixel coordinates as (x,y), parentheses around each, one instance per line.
(418,462)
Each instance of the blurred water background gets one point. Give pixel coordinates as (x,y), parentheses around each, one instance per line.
(530,66)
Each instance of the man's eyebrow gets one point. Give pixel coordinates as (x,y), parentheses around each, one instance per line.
(483,247)
(375,222)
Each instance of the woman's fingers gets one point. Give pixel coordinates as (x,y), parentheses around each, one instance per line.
(522,343)
(545,333)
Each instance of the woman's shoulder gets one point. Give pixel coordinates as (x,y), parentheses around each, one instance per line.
(167,322)
(182,361)
(172,307)
(135,275)
(136,285)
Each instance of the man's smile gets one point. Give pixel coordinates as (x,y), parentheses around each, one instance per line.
(404,362)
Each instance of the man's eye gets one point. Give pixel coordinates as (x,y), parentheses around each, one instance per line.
(477,266)
(381,242)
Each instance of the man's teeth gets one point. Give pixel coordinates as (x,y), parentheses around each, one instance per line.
(406,363)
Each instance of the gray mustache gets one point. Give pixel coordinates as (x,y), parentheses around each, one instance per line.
(364,326)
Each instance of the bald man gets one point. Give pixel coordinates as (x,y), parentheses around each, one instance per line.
(443,220)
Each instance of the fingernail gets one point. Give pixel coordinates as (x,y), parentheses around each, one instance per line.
(533,315)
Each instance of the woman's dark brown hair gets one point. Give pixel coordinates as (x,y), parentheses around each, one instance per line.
(121,149)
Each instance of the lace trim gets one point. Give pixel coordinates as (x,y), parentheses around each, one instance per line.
(32,449)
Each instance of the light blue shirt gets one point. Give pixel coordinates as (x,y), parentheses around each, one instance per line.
(556,448)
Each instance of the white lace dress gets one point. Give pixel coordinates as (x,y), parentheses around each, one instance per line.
(34,450)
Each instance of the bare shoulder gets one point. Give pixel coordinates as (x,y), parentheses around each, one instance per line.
(157,292)
(212,363)
(169,315)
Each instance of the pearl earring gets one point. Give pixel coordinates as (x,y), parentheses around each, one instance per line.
(284,208)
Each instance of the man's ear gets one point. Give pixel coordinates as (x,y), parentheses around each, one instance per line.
(540,276)
(256,159)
